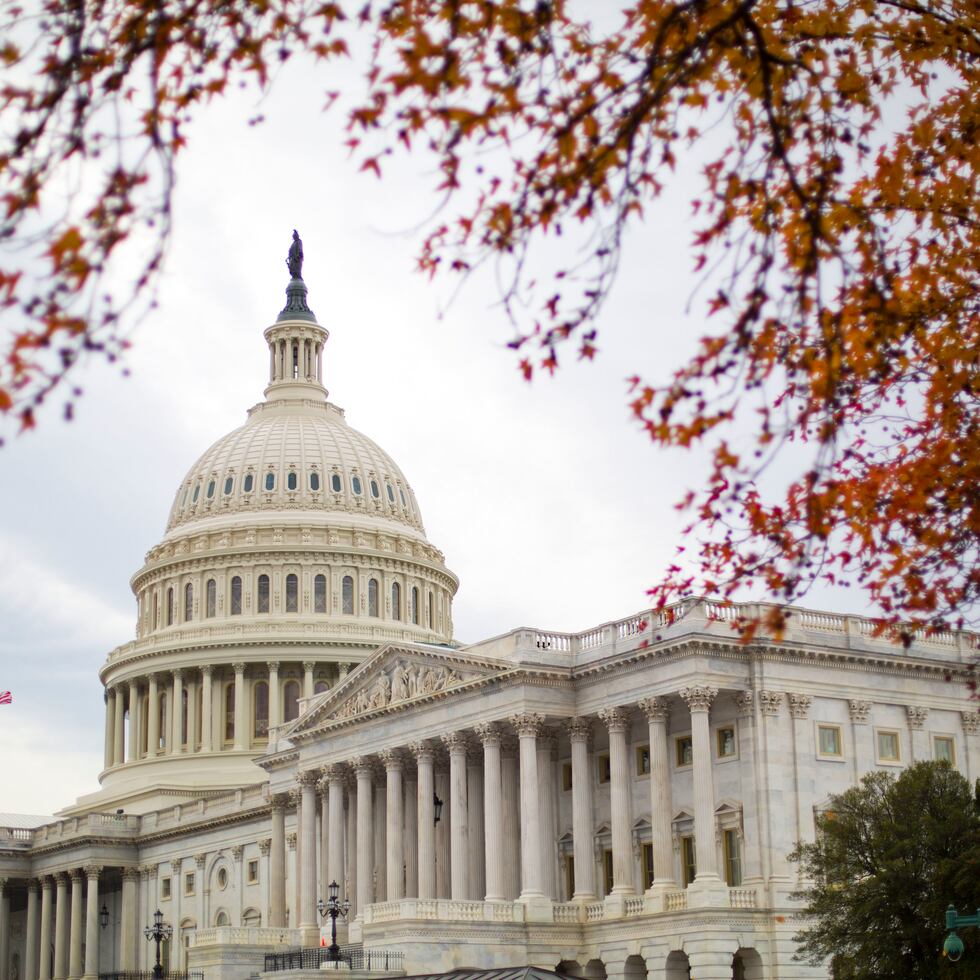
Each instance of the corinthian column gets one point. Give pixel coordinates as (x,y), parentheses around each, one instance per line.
(582,821)
(617,721)
(307,898)
(135,722)
(277,863)
(657,711)
(129,921)
(365,834)
(207,708)
(426,820)
(75,941)
(274,721)
(61,921)
(335,819)
(699,701)
(240,724)
(44,943)
(177,713)
(528,728)
(395,822)
(30,953)
(411,838)
(119,727)
(458,830)
(493,813)
(92,922)
(152,717)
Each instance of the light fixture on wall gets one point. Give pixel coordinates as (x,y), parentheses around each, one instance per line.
(437,808)
(103,916)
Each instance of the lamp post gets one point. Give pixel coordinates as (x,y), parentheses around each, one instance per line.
(953,947)
(157,933)
(333,908)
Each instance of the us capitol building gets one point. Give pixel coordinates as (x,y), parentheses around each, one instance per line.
(294,710)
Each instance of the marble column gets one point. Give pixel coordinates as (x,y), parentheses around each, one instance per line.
(44,942)
(365,833)
(861,738)
(459,867)
(426,821)
(546,796)
(443,842)
(31,936)
(971,729)
(207,709)
(335,820)
(4,928)
(152,717)
(657,711)
(395,823)
(493,815)
(75,936)
(510,795)
(177,713)
(379,847)
(61,922)
(920,737)
(579,730)
(751,790)
(350,837)
(528,727)
(804,784)
(277,863)
(110,731)
(411,838)
(241,721)
(307,918)
(192,712)
(133,750)
(699,701)
(129,922)
(616,721)
(323,867)
(92,873)
(476,830)
(274,695)
(308,667)
(119,727)
(200,863)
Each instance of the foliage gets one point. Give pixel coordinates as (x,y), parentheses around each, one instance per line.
(838,228)
(890,856)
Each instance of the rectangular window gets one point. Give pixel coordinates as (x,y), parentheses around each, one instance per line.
(164,888)
(888,746)
(944,748)
(643,760)
(189,883)
(725,743)
(830,744)
(646,856)
(683,751)
(253,872)
(602,767)
(607,869)
(569,876)
(733,859)
(688,861)
(566,776)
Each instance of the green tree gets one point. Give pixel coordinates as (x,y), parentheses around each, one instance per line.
(890,856)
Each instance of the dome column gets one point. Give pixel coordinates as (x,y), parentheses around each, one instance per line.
(207,708)
(118,728)
(192,713)
(239,706)
(177,713)
(153,717)
(274,696)
(135,721)
(110,717)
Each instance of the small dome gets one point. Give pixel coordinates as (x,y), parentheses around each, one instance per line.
(295,456)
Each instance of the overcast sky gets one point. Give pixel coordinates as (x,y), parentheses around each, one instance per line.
(549,504)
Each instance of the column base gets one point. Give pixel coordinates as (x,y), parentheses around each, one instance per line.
(615,903)
(707,892)
(654,896)
(537,907)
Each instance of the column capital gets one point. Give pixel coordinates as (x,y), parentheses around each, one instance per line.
(423,751)
(799,705)
(744,703)
(698,697)
(32,883)
(200,860)
(265,845)
(488,732)
(278,801)
(308,777)
(770,702)
(454,742)
(309,665)
(130,874)
(971,722)
(528,723)
(76,874)
(92,870)
(656,709)
(579,729)
(207,670)
(178,673)
(148,870)
(237,851)
(47,882)
(294,796)
(343,669)
(291,840)
(393,760)
(272,665)
(616,719)
(859,711)
(363,765)
(238,667)
(917,716)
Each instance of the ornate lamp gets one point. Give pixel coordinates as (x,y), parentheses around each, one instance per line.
(437,807)
(333,907)
(103,916)
(157,933)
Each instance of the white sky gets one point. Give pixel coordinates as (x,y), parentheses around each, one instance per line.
(549,504)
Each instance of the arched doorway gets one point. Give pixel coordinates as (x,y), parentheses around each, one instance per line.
(635,968)
(747,965)
(677,967)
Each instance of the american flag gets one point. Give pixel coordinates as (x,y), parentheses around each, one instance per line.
(5,697)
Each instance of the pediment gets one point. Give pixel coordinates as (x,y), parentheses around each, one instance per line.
(396,677)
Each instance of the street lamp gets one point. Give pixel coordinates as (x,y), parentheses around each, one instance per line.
(953,947)
(333,908)
(157,933)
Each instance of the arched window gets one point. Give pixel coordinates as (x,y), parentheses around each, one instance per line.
(415,605)
(320,686)
(197,493)
(292,593)
(291,480)
(156,611)
(270,481)
(247,485)
(348,595)
(260,710)
(373,597)
(290,697)
(236,596)
(314,481)
(188,602)
(145,723)
(432,619)
(391,493)
(375,492)
(163,701)
(229,483)
(355,484)
(230,712)
(212,597)
(210,489)
(320,594)
(335,483)
(263,596)
(221,919)
(170,607)
(396,601)
(183,717)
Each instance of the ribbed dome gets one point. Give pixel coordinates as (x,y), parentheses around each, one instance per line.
(295,456)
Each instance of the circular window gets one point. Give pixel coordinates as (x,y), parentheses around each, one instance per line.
(222,878)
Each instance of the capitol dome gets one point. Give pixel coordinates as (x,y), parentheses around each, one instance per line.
(293,550)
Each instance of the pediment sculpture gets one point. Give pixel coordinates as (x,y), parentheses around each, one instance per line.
(404,681)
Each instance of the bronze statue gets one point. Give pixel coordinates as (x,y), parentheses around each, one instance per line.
(294,261)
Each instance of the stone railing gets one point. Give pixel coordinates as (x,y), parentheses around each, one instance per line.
(633,906)
(742,898)
(119,825)
(246,936)
(594,911)
(675,901)
(567,911)
(16,837)
(443,909)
